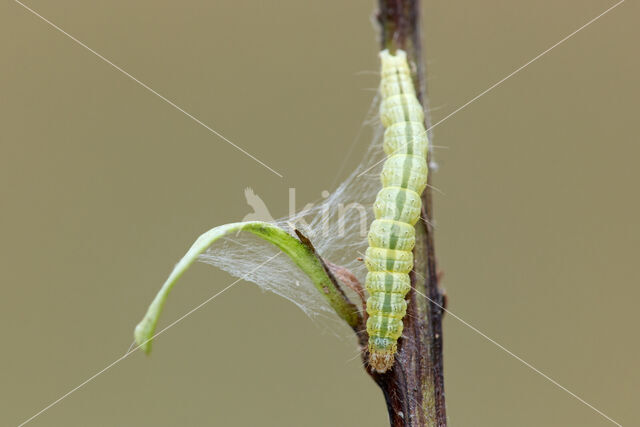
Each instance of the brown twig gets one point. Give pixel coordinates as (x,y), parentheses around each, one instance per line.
(414,388)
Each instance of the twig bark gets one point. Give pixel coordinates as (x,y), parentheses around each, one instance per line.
(414,388)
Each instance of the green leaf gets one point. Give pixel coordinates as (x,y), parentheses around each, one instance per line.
(302,254)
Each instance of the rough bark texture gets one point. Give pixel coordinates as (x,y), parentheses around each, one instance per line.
(414,388)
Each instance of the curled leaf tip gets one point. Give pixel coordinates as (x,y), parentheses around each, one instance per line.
(299,252)
(143,334)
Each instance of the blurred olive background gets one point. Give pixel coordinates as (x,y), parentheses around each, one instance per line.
(104,186)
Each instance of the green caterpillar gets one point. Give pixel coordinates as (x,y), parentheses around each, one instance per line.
(397,208)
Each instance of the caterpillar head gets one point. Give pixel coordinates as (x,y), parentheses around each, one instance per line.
(381,362)
(382,353)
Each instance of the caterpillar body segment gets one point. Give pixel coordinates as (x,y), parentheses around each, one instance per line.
(389,258)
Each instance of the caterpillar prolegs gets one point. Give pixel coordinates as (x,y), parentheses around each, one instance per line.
(397,208)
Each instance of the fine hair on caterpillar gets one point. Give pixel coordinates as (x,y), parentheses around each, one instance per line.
(389,257)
